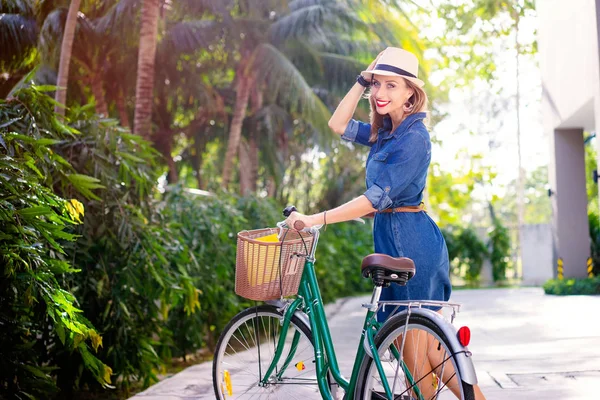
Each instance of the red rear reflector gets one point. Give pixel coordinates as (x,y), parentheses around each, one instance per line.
(464,336)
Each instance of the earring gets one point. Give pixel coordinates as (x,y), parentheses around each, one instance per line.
(408,107)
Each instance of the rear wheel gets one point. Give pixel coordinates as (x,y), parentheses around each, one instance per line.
(427,369)
(247,347)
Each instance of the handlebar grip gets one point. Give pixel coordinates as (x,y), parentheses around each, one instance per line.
(299,225)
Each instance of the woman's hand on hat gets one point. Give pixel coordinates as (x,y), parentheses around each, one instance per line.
(372,65)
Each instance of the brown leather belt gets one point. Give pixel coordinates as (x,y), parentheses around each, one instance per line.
(413,209)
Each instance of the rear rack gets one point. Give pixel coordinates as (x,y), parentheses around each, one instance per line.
(420,304)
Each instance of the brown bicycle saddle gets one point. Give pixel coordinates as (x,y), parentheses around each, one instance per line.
(385,269)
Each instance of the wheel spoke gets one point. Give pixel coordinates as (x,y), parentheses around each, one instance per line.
(237,353)
(428,357)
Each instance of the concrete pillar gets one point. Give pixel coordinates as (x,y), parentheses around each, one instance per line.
(569,202)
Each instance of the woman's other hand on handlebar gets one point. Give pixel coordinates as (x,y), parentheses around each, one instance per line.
(306,220)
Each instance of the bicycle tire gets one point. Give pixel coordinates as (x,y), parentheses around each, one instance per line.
(292,373)
(386,335)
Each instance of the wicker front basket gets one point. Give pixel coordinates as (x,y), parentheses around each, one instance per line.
(257,269)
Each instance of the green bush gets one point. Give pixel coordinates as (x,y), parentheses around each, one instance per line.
(208,229)
(499,241)
(132,260)
(123,255)
(573,286)
(465,251)
(594,223)
(209,226)
(39,317)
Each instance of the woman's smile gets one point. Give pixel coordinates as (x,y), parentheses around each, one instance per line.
(381,103)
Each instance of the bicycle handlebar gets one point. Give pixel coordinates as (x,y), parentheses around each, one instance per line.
(298,225)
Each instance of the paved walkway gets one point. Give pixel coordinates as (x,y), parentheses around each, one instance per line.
(526,345)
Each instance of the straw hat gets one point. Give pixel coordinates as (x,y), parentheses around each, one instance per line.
(396,62)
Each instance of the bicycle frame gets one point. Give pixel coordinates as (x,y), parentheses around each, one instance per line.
(310,301)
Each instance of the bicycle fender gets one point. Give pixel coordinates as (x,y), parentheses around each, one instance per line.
(463,355)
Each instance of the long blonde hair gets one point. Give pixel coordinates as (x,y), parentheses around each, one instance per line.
(418,101)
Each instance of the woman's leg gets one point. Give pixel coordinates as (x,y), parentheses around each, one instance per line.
(435,357)
(421,353)
(415,357)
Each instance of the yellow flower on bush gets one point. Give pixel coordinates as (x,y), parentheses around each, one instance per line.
(96,340)
(106,373)
(75,209)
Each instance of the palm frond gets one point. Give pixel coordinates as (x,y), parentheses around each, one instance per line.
(288,88)
(273,120)
(88,40)
(18,34)
(263,9)
(201,7)
(314,22)
(363,47)
(296,5)
(51,36)
(22,7)
(249,29)
(120,19)
(275,126)
(272,160)
(335,72)
(340,71)
(189,36)
(18,37)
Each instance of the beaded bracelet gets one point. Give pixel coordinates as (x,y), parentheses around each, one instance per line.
(362,81)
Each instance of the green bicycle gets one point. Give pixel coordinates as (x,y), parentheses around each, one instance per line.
(283,349)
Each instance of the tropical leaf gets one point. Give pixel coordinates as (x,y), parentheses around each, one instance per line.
(335,72)
(18,35)
(51,36)
(200,7)
(296,5)
(314,21)
(288,87)
(120,20)
(190,36)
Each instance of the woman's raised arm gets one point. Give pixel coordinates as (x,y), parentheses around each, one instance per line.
(345,110)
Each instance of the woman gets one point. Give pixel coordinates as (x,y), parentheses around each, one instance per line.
(396,172)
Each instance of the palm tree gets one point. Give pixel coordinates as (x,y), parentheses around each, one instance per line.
(65,57)
(267,34)
(248,155)
(144,90)
(245,81)
(34,33)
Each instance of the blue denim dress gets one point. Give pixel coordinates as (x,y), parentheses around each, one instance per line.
(396,174)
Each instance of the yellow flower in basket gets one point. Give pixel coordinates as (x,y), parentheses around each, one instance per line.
(262,261)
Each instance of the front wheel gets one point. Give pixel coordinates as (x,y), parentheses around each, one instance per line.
(246,348)
(426,370)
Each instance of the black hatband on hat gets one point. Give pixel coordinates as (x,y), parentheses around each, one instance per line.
(391,68)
